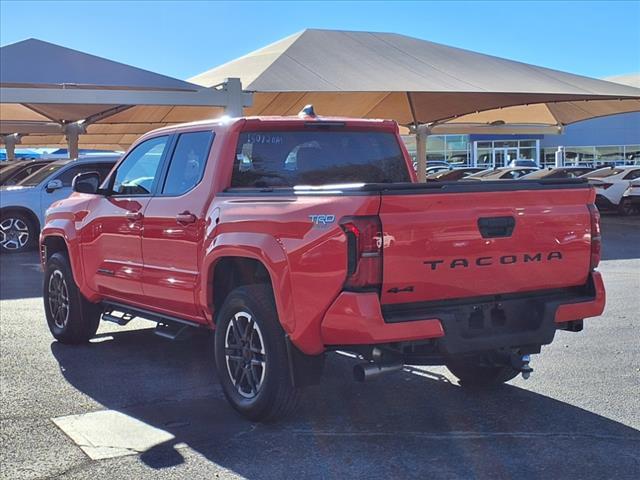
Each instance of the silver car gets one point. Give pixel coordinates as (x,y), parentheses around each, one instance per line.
(23,206)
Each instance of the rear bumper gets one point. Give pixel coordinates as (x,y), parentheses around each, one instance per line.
(462,326)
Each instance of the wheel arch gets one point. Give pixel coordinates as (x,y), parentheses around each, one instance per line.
(24,211)
(237,263)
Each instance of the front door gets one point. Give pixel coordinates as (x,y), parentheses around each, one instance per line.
(503,156)
(174,229)
(112,250)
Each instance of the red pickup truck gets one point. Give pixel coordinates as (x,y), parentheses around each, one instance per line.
(295,236)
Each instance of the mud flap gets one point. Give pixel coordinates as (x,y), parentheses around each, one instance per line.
(304,370)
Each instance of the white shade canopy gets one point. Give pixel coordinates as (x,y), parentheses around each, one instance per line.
(386,75)
(46,87)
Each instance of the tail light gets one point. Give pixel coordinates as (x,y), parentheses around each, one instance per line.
(604,186)
(364,253)
(596,237)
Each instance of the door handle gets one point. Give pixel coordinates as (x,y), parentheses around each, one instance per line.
(185,217)
(133,215)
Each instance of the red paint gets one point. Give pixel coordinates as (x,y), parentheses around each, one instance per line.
(165,265)
(575,311)
(356,319)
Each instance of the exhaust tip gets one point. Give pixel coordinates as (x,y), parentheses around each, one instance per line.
(359,374)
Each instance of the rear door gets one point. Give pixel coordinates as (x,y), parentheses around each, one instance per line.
(476,242)
(112,250)
(174,227)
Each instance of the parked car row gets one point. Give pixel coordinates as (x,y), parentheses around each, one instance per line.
(616,188)
(23,205)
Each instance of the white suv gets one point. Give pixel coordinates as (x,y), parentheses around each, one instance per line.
(610,184)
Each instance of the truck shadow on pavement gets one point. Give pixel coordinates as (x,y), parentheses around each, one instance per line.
(410,424)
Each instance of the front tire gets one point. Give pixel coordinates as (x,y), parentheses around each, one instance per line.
(17,233)
(477,372)
(71,317)
(251,355)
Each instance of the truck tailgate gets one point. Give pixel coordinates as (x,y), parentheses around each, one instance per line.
(462,241)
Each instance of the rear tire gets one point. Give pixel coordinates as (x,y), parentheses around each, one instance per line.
(251,355)
(473,371)
(71,317)
(625,208)
(17,233)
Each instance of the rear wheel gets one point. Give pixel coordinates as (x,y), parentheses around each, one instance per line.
(70,316)
(17,232)
(477,371)
(251,355)
(626,208)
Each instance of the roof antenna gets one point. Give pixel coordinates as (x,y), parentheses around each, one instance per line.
(307,111)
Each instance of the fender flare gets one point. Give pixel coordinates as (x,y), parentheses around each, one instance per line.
(257,246)
(62,228)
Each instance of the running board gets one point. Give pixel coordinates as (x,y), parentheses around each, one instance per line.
(169,327)
(172,332)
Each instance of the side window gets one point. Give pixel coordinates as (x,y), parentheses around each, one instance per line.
(137,174)
(632,175)
(103,170)
(187,162)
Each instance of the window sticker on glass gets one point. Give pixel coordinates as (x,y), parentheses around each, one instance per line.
(264,138)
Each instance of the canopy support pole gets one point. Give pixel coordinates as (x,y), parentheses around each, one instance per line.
(72,133)
(10,142)
(422,132)
(235,97)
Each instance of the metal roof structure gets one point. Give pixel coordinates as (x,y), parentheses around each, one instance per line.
(386,75)
(50,95)
(432,87)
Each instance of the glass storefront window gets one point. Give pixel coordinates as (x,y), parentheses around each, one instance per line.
(578,155)
(610,154)
(485,157)
(435,143)
(632,153)
(435,157)
(528,153)
(457,156)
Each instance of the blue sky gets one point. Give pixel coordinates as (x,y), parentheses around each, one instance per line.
(182,39)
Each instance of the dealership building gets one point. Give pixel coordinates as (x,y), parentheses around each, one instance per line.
(603,140)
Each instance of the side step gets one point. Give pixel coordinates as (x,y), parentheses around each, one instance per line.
(172,331)
(115,316)
(169,327)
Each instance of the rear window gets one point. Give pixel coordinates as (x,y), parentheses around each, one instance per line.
(311,157)
(605,172)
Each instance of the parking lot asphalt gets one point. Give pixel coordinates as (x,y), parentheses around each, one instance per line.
(578,416)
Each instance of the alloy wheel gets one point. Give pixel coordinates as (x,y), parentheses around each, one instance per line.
(245,354)
(14,233)
(58,299)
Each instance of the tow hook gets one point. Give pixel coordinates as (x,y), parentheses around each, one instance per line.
(525,369)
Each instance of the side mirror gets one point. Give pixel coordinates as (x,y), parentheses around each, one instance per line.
(87,182)
(54,185)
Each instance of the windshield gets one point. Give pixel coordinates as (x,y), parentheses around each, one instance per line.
(604,172)
(312,157)
(485,173)
(7,171)
(40,175)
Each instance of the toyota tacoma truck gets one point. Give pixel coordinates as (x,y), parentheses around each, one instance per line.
(291,237)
